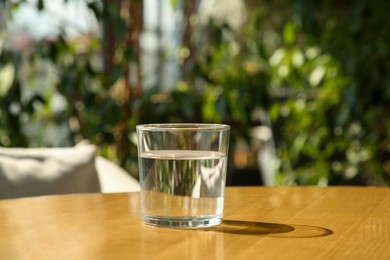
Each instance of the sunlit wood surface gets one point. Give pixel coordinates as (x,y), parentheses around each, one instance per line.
(260,223)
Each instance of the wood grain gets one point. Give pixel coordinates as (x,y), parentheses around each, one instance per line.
(259,223)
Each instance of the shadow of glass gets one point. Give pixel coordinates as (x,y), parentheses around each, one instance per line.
(250,228)
(269,229)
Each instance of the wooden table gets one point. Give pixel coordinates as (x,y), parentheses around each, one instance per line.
(260,223)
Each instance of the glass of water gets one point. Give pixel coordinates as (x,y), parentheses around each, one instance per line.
(182,170)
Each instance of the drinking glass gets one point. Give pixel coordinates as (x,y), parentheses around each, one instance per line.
(182,169)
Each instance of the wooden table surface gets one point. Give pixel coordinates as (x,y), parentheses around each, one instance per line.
(259,223)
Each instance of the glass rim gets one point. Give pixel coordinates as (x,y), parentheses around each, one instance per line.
(183,127)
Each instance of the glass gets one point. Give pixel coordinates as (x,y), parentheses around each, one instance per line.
(182,170)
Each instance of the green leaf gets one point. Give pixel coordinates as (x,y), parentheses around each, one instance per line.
(7,77)
(40,5)
(289,33)
(96,8)
(174,4)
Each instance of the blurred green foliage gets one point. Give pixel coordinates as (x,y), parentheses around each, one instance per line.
(321,70)
(337,125)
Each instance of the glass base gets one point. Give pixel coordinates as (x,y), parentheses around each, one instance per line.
(182,222)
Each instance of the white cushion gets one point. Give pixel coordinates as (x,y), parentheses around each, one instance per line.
(113,178)
(46,171)
(42,171)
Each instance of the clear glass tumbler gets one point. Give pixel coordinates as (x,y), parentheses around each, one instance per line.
(182,169)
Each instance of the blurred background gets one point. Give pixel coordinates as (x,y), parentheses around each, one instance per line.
(305,85)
